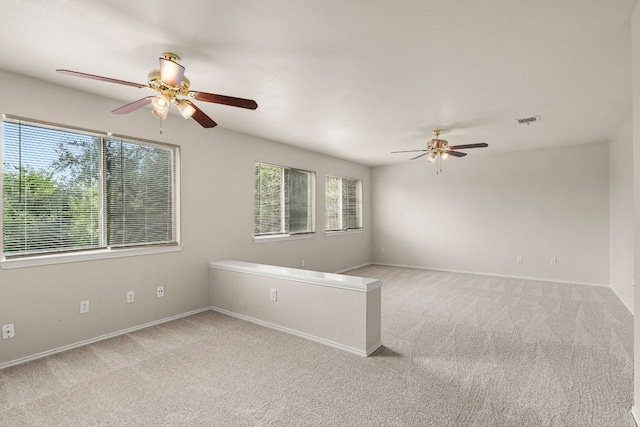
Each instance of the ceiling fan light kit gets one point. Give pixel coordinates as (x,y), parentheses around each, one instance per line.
(160,106)
(439,150)
(185,107)
(172,86)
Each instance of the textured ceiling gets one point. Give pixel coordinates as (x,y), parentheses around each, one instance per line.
(354,79)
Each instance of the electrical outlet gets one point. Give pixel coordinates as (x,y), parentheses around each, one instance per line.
(84,307)
(519,258)
(8,331)
(130,297)
(554,261)
(302,263)
(274,295)
(160,291)
(382,250)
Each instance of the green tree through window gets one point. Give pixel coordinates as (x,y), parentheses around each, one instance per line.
(283,200)
(69,190)
(343,203)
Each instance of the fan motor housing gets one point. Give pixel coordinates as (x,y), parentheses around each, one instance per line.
(155,82)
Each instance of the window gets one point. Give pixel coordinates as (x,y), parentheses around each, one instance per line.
(283,200)
(71,190)
(343,203)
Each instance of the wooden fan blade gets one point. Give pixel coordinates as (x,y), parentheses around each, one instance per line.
(456,154)
(407,151)
(200,117)
(225,100)
(417,157)
(103,79)
(125,109)
(462,147)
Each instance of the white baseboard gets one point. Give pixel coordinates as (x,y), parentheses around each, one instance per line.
(96,339)
(636,415)
(353,268)
(366,353)
(373,348)
(298,333)
(539,279)
(571,282)
(168,319)
(621,300)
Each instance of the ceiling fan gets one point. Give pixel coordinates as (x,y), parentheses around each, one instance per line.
(439,149)
(172,86)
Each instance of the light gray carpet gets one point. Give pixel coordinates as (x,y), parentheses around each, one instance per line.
(459,350)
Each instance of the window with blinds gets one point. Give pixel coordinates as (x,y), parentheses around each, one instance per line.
(283,200)
(343,203)
(72,190)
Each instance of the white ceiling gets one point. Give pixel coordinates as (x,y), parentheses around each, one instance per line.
(355,79)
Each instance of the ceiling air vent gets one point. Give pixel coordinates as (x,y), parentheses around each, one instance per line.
(528,120)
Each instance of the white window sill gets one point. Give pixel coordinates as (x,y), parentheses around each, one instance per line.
(34,261)
(342,233)
(283,237)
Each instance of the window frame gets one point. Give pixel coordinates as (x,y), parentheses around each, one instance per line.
(105,250)
(343,230)
(311,207)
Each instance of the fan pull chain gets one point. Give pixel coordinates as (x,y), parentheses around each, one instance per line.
(160,127)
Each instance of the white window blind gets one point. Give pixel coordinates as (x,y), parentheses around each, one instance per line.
(71,190)
(139,193)
(343,203)
(283,200)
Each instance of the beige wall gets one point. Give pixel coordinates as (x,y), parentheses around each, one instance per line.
(217,223)
(621,213)
(635,45)
(336,314)
(487,208)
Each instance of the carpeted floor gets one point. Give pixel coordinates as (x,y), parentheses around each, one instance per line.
(459,350)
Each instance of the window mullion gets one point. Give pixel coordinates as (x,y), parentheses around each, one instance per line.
(284,227)
(340,205)
(102,191)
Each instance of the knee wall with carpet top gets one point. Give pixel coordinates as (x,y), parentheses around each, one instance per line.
(334,309)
